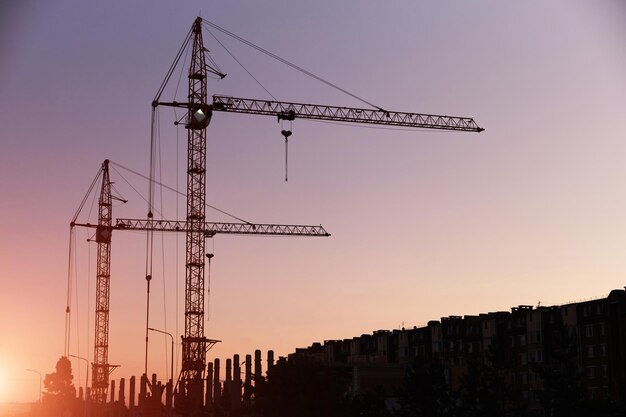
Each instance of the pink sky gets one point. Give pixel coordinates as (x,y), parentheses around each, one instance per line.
(424,224)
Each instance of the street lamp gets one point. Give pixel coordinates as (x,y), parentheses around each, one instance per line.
(87,375)
(172,353)
(86,382)
(172,361)
(40,377)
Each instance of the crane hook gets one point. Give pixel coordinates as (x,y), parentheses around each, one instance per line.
(286,134)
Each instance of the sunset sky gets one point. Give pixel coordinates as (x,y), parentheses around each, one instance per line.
(424,224)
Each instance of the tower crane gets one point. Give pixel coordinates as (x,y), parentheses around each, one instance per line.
(104,231)
(199,113)
(198,116)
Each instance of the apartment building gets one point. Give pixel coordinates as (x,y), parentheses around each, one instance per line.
(523,344)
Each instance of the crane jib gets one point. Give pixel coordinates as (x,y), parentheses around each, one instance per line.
(290,111)
(210,228)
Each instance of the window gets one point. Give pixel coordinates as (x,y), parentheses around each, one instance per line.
(588,330)
(601,329)
(536,356)
(522,340)
(589,351)
(486,343)
(603,350)
(523,358)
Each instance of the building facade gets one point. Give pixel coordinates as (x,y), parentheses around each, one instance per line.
(524,343)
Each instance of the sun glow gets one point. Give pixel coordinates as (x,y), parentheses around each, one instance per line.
(4,386)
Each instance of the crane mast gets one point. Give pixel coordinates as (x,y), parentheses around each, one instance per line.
(194,344)
(101,367)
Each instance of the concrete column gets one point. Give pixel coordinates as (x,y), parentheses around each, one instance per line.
(247,386)
(209,385)
(235,394)
(143,390)
(257,365)
(229,376)
(270,360)
(228,382)
(131,394)
(168,394)
(217,387)
(236,368)
(121,397)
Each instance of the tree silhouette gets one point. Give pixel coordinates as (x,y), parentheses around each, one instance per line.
(484,393)
(425,391)
(60,395)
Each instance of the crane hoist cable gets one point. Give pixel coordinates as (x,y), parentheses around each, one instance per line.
(173,66)
(178,192)
(180,77)
(208,293)
(284,61)
(71,248)
(286,133)
(241,65)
